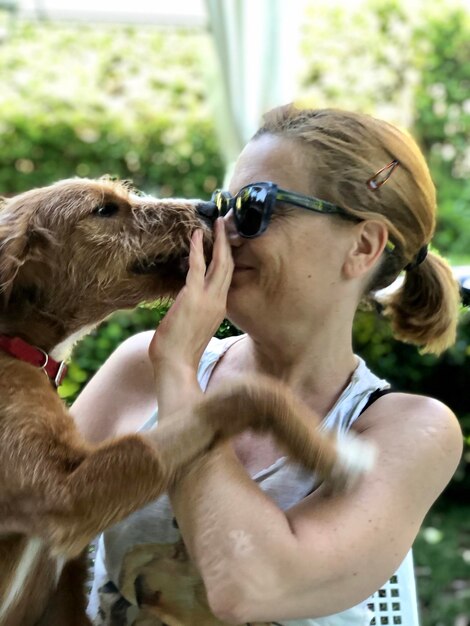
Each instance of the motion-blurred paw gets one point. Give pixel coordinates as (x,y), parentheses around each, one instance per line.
(356,457)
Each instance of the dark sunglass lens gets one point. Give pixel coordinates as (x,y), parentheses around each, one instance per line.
(249,210)
(222,200)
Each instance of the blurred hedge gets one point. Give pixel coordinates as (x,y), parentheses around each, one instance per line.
(442,567)
(442,118)
(121,101)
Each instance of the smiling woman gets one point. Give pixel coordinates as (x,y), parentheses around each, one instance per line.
(217,548)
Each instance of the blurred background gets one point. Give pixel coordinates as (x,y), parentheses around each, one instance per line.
(166,94)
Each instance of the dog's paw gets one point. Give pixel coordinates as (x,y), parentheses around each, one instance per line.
(355,457)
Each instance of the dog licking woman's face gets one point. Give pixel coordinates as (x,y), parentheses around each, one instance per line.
(74,252)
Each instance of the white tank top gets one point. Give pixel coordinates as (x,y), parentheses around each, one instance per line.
(149,542)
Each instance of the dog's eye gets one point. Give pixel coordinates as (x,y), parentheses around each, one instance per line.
(108,209)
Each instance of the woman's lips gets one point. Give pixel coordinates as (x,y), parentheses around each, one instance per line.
(242,268)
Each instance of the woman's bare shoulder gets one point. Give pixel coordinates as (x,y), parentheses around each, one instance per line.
(423,426)
(121,395)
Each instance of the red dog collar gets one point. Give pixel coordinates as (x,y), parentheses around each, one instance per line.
(24,351)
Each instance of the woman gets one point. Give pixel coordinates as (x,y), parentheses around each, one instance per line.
(266,544)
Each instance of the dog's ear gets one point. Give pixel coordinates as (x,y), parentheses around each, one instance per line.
(13,247)
(20,238)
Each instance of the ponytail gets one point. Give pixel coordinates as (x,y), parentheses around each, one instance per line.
(424,310)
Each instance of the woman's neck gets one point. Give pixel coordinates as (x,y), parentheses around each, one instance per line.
(317,365)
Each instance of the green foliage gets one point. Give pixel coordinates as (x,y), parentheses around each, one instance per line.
(442,565)
(442,119)
(360,55)
(121,101)
(408,63)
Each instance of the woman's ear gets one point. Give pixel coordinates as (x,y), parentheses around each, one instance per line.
(369,239)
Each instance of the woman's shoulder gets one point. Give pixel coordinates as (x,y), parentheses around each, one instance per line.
(420,426)
(400,407)
(136,345)
(120,394)
(129,365)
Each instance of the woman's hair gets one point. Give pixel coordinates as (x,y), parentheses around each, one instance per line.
(347,149)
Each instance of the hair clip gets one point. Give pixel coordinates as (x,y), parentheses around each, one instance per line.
(381,177)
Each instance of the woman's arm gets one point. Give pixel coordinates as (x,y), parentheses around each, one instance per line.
(327,553)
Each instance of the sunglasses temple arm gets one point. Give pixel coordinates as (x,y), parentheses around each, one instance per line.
(313,204)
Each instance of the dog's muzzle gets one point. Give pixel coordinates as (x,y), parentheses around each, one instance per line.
(208,211)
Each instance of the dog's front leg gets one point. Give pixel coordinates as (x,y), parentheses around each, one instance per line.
(67,606)
(120,477)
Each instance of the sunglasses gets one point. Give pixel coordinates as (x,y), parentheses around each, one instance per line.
(254,204)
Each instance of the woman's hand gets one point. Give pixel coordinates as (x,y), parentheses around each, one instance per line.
(182,336)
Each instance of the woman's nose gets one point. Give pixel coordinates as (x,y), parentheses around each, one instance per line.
(234,238)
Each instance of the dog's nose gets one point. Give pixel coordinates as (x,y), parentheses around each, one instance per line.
(208,210)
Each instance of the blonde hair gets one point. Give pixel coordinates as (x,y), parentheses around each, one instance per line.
(346,150)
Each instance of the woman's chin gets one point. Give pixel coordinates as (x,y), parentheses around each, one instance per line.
(241,305)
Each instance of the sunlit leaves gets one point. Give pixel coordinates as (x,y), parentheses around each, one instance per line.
(87,101)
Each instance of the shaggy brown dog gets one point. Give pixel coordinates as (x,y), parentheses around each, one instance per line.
(71,254)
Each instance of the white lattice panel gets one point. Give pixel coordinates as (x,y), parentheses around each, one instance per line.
(395,603)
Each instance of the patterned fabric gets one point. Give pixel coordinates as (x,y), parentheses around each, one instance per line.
(143,575)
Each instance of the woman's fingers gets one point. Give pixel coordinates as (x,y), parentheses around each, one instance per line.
(197,263)
(200,306)
(220,269)
(214,280)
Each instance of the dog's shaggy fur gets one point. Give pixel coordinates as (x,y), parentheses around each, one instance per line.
(71,254)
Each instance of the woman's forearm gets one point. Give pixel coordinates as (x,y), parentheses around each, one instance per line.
(176,389)
(229,526)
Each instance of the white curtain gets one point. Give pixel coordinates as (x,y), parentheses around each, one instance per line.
(257,46)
